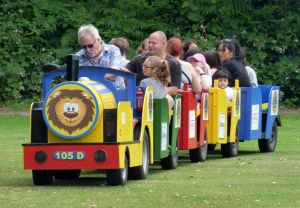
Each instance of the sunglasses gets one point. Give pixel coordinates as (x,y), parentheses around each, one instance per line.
(146,67)
(89,46)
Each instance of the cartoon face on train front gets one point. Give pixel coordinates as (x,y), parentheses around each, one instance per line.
(68,111)
(71,110)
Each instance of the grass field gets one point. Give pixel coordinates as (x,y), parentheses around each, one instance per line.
(250,180)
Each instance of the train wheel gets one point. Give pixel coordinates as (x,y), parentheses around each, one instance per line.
(211,147)
(66,174)
(119,176)
(42,177)
(231,149)
(140,172)
(269,145)
(170,162)
(199,154)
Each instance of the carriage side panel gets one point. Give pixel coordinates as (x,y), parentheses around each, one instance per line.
(250,124)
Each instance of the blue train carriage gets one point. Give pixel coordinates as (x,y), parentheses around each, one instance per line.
(89,124)
(260,116)
(222,126)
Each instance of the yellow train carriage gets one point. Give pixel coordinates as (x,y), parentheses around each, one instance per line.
(223,119)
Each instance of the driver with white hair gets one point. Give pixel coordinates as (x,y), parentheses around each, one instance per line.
(95,52)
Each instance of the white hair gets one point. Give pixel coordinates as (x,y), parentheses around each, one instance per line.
(88,29)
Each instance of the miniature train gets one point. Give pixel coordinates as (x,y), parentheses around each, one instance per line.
(90,124)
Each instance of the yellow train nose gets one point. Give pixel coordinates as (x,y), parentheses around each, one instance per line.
(72,109)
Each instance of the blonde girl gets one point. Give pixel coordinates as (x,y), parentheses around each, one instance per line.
(159,76)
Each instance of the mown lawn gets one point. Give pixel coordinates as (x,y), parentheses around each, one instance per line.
(250,180)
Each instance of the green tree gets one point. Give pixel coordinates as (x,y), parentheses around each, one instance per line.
(36,32)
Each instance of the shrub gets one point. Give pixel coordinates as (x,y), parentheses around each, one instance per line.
(36,32)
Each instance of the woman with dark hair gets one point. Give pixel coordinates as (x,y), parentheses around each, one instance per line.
(212,59)
(189,45)
(229,52)
(190,53)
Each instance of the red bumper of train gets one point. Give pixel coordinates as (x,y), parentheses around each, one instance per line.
(70,156)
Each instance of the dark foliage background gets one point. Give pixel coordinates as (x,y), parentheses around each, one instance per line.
(36,32)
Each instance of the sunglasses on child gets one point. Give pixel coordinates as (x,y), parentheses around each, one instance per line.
(147,67)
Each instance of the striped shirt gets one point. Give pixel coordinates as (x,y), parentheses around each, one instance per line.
(110,57)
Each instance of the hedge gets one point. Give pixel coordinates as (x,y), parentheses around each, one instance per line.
(36,32)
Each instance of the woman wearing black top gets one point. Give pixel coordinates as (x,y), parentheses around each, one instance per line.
(229,55)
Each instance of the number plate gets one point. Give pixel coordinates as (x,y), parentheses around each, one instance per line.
(69,155)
